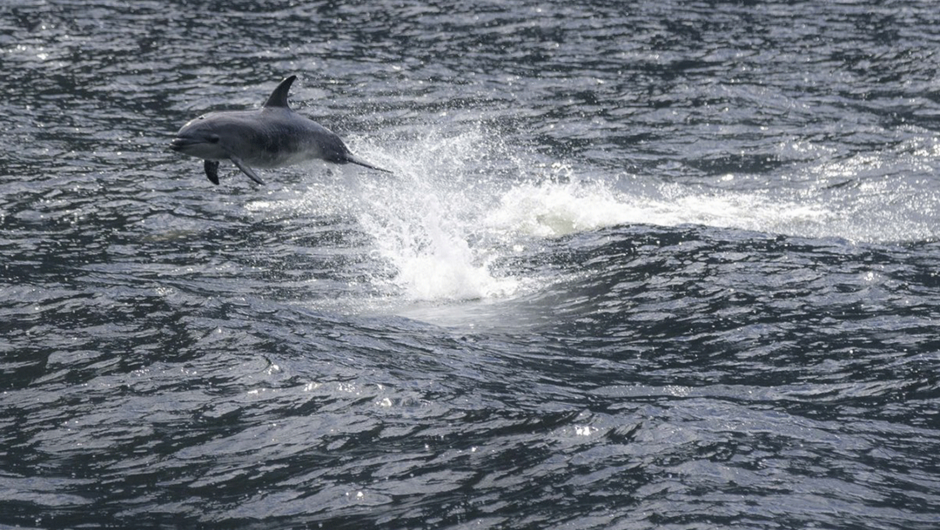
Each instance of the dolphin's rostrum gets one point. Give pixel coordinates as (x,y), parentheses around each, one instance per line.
(273,136)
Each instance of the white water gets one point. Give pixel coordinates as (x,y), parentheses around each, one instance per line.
(459,204)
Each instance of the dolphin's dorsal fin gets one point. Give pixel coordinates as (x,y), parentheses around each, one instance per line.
(279,96)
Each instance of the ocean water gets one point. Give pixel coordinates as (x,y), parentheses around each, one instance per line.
(641,265)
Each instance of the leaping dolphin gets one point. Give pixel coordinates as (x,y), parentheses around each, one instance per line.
(274,136)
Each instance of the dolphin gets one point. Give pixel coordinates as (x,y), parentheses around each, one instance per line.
(274,136)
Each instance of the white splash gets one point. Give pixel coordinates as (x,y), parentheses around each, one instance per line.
(425,222)
(458,206)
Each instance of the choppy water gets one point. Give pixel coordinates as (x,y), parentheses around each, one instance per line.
(642,265)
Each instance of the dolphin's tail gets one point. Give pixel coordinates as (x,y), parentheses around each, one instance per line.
(353,159)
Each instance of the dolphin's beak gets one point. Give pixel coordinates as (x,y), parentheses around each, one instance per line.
(181,142)
(198,145)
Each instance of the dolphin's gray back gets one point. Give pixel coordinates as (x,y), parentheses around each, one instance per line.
(276,137)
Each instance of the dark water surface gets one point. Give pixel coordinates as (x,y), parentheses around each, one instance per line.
(642,265)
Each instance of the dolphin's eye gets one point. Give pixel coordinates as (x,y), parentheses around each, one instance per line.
(214,138)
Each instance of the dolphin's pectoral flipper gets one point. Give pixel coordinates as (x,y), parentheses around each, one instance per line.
(247,170)
(212,171)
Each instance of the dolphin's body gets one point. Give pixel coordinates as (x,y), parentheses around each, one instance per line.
(274,136)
